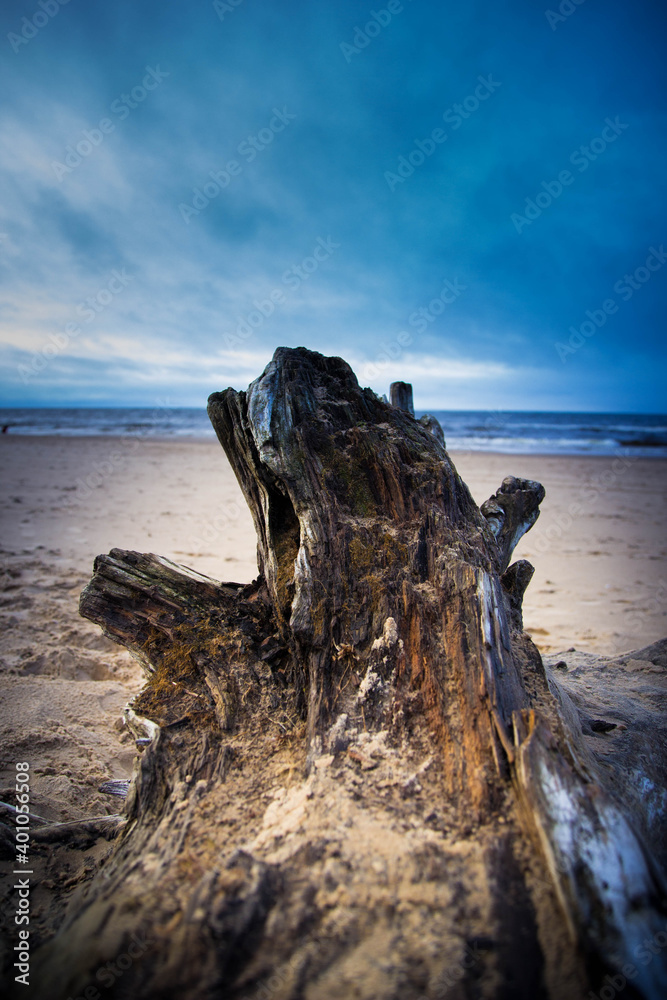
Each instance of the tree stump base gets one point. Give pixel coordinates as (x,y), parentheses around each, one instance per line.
(355,777)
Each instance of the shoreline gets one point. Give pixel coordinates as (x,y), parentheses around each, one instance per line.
(628,453)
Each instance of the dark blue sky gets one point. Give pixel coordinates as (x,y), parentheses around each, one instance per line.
(444,196)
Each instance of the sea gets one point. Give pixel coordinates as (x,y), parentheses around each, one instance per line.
(642,435)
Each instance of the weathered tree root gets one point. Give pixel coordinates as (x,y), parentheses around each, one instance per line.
(81,832)
(354,777)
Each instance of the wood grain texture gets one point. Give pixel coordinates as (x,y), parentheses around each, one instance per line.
(353,773)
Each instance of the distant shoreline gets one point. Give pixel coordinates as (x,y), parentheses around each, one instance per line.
(628,452)
(615,435)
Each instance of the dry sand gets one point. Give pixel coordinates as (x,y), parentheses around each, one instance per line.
(599,583)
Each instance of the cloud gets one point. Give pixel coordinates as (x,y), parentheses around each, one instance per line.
(323,176)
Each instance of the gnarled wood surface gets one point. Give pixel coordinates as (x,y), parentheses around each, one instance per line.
(354,779)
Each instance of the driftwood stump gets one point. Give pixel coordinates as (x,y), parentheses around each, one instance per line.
(355,778)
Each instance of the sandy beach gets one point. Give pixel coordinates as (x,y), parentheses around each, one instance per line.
(598,549)
(599,585)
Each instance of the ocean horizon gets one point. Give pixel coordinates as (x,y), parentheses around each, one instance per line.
(511,432)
